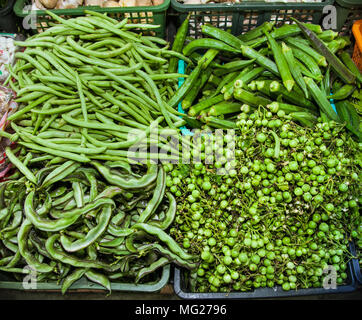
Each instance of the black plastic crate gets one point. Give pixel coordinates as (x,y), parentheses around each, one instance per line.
(180,288)
(348,11)
(8,20)
(244,16)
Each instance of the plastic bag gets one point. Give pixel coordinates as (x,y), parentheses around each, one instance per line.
(7,107)
(7,55)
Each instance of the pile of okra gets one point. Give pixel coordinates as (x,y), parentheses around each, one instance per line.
(298,66)
(74,204)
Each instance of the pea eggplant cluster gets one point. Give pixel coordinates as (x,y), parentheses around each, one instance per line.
(286,210)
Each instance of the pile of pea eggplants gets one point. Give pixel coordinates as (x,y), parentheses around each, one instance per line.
(74,206)
(78,204)
(288,202)
(284,212)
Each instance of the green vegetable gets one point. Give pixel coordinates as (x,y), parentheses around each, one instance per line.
(209,44)
(260,59)
(224,36)
(335,63)
(294,69)
(321,99)
(178,43)
(281,62)
(343,93)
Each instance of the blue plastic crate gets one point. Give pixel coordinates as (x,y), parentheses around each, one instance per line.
(356,267)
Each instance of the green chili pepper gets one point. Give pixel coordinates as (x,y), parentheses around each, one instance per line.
(25,253)
(157,197)
(92,235)
(99,278)
(154,266)
(59,255)
(164,237)
(130,183)
(68,217)
(170,214)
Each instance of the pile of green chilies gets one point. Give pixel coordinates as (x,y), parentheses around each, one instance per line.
(73,223)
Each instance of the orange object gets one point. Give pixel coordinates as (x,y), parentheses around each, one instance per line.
(357,52)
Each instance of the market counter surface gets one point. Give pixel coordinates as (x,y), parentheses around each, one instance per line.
(166,293)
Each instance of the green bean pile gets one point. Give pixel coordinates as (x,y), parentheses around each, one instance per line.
(285,211)
(74,204)
(92,72)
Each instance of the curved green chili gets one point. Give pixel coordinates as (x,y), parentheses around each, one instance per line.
(92,235)
(24,251)
(131,182)
(68,217)
(157,197)
(164,237)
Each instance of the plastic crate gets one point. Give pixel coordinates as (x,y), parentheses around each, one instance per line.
(244,16)
(6,282)
(153,15)
(357,51)
(181,290)
(348,11)
(8,19)
(356,267)
(180,285)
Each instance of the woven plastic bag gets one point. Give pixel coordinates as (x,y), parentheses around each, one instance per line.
(7,107)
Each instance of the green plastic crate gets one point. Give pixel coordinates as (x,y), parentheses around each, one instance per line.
(348,11)
(242,17)
(7,282)
(8,21)
(153,15)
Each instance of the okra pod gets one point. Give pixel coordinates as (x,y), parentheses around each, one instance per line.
(281,62)
(250,98)
(294,68)
(321,99)
(260,59)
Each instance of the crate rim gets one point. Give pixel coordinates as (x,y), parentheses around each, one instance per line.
(349,3)
(84,284)
(260,5)
(19,6)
